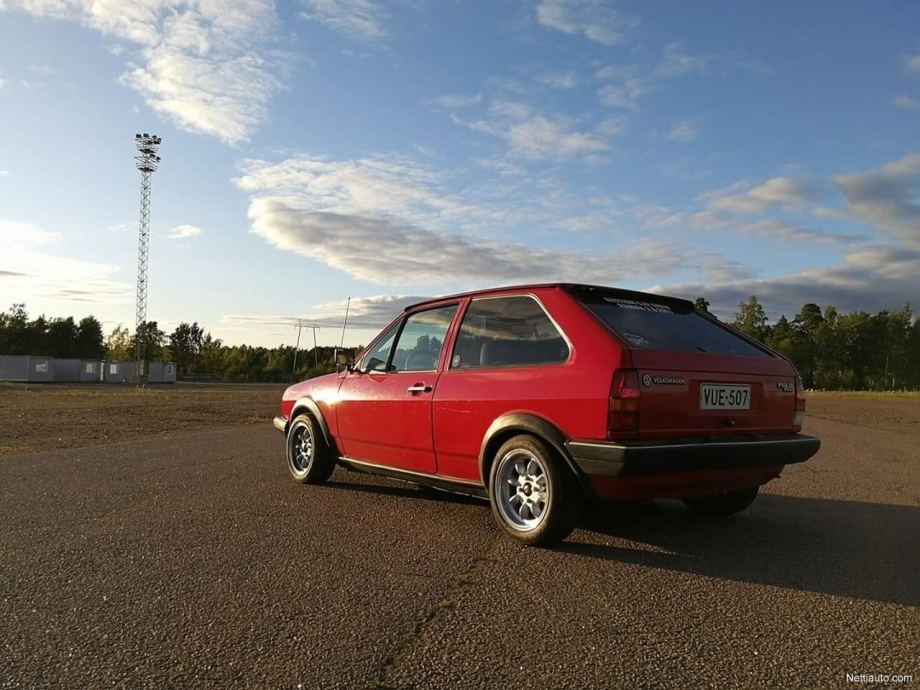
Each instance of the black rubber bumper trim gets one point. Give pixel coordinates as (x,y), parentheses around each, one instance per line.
(641,458)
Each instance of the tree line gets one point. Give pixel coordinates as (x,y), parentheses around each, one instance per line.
(197,354)
(834,351)
(830,350)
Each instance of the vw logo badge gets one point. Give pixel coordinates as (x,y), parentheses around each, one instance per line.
(647,380)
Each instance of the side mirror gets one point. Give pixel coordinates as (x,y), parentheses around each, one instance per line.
(342,359)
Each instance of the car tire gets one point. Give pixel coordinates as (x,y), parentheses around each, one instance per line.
(723,505)
(309,458)
(535,497)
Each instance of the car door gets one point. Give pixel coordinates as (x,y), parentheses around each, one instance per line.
(384,405)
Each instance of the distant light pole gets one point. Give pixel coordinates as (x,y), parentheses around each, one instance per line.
(300,326)
(147,161)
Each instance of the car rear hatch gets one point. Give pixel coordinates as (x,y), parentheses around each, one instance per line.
(693,375)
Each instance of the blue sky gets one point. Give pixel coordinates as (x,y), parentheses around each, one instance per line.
(320,149)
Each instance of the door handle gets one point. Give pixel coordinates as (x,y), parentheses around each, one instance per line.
(419,388)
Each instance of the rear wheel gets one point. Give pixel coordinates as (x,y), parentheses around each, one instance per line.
(308,457)
(535,498)
(722,505)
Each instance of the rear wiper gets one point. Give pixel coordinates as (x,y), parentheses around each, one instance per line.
(701,349)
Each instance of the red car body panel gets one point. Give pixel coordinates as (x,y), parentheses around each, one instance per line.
(440,431)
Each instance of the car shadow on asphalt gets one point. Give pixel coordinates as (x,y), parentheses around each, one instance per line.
(843,548)
(394,487)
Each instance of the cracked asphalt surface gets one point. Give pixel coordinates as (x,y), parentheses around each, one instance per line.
(193,561)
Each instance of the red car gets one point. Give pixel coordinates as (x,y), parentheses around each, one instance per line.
(543,397)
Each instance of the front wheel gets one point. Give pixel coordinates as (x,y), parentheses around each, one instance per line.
(723,505)
(308,457)
(535,497)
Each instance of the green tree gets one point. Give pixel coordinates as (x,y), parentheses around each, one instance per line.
(90,343)
(61,338)
(751,319)
(782,339)
(701,304)
(15,326)
(805,325)
(118,345)
(185,346)
(152,339)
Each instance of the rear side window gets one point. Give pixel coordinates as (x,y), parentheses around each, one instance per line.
(507,332)
(651,325)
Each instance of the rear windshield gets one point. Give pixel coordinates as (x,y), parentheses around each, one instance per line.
(651,325)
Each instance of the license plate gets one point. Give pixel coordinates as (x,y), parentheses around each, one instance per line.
(717,396)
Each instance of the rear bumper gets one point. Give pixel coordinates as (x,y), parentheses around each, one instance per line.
(280,424)
(670,456)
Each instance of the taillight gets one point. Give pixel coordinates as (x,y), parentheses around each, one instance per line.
(798,418)
(623,417)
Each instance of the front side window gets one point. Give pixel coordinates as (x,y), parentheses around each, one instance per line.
(422,338)
(376,359)
(505,332)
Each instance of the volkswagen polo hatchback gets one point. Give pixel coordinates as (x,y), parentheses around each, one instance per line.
(544,397)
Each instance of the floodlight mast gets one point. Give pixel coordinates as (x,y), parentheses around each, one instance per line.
(147,161)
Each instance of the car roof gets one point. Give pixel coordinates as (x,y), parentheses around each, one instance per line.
(583,288)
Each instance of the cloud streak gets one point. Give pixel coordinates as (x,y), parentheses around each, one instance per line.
(388,222)
(595,19)
(202,65)
(358,19)
(27,269)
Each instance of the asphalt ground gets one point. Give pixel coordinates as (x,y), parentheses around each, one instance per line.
(193,561)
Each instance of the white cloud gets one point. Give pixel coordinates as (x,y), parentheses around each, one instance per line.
(533,136)
(183,232)
(683,131)
(363,313)
(622,72)
(612,127)
(623,95)
(906,102)
(499,166)
(4,173)
(507,84)
(19,233)
(786,192)
(388,222)
(682,170)
(380,249)
(361,19)
(675,63)
(453,101)
(869,279)
(26,271)
(200,62)
(596,19)
(43,69)
(769,229)
(559,80)
(886,197)
(912,63)
(2,84)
